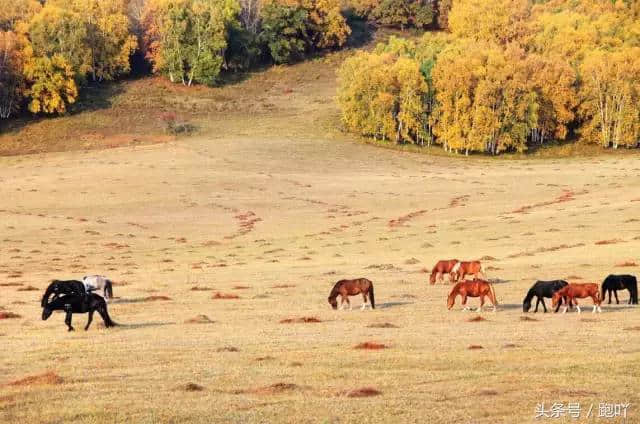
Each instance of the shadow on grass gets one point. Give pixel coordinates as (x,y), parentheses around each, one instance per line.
(392,304)
(143,325)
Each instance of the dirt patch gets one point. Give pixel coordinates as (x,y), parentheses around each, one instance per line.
(199,319)
(265,358)
(9,315)
(626,263)
(28,288)
(611,241)
(402,221)
(301,320)
(566,196)
(488,258)
(488,392)
(192,387)
(200,288)
(636,328)
(527,318)
(382,325)
(509,346)
(412,261)
(228,349)
(241,287)
(573,277)
(475,347)
(283,286)
(11,284)
(361,392)
(588,320)
(219,295)
(371,346)
(493,268)
(477,319)
(155,298)
(46,378)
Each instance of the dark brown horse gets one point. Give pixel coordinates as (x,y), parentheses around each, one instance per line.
(577,291)
(443,266)
(461,269)
(346,288)
(474,288)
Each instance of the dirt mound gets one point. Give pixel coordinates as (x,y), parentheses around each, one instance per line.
(46,378)
(199,319)
(154,298)
(11,284)
(636,328)
(627,263)
(241,287)
(611,241)
(228,349)
(526,318)
(509,346)
(301,320)
(200,288)
(219,295)
(477,318)
(488,258)
(488,392)
(475,347)
(9,315)
(192,387)
(283,286)
(382,325)
(28,288)
(371,346)
(361,392)
(412,261)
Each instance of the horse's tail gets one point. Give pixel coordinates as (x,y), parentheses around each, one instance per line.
(634,291)
(108,289)
(108,322)
(434,271)
(493,293)
(47,293)
(604,286)
(372,297)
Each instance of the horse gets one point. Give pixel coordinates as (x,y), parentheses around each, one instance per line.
(346,288)
(443,266)
(98,282)
(580,291)
(474,288)
(541,289)
(467,267)
(58,287)
(613,283)
(71,303)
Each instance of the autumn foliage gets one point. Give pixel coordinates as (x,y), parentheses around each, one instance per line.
(511,75)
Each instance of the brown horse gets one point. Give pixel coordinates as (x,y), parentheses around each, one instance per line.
(475,288)
(443,266)
(461,269)
(346,288)
(580,291)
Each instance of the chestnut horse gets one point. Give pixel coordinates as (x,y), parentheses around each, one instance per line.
(346,288)
(579,291)
(475,288)
(442,267)
(467,268)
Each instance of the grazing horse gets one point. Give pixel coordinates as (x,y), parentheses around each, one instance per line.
(475,288)
(98,282)
(58,287)
(467,268)
(442,267)
(541,289)
(613,283)
(346,288)
(79,305)
(575,291)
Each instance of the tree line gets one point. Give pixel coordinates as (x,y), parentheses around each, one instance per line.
(506,76)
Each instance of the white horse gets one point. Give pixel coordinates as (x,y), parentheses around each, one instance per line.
(98,282)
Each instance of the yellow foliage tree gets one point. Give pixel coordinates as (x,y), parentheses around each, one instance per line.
(52,84)
(499,21)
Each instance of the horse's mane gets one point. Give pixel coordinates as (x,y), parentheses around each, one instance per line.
(334,290)
(530,294)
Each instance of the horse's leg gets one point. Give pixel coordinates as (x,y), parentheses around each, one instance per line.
(481,303)
(577,306)
(543,305)
(615,293)
(67,319)
(349,303)
(537,303)
(364,303)
(90,319)
(596,304)
(464,302)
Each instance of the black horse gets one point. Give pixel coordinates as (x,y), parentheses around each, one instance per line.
(78,304)
(68,287)
(542,289)
(613,283)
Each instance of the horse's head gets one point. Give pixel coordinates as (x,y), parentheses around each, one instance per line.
(46,312)
(333,302)
(526,305)
(451,299)
(432,279)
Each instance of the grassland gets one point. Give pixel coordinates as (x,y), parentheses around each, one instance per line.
(215,239)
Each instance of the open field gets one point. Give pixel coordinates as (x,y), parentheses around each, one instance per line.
(185,226)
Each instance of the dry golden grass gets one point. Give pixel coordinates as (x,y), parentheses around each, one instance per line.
(269,196)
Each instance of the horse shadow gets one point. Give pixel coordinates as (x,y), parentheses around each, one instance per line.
(498,281)
(510,306)
(126,301)
(143,325)
(392,304)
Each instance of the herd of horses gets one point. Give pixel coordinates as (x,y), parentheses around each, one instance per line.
(74,296)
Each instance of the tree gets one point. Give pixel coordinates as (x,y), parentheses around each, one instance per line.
(14,11)
(52,84)
(611,93)
(108,38)
(403,13)
(499,21)
(187,38)
(285,32)
(11,77)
